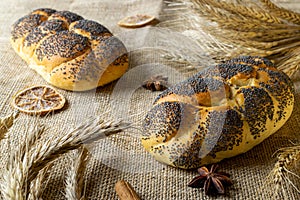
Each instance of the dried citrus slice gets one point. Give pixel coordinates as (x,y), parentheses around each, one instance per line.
(39,99)
(136,21)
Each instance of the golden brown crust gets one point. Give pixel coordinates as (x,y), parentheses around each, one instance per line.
(60,45)
(85,73)
(45,29)
(58,48)
(44,11)
(89,28)
(66,16)
(218,113)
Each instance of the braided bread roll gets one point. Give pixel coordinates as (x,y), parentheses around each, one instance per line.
(68,51)
(218,113)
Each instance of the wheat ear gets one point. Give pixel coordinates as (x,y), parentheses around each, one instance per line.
(5,124)
(25,167)
(75,177)
(15,176)
(286,14)
(273,33)
(246,11)
(91,131)
(37,185)
(279,178)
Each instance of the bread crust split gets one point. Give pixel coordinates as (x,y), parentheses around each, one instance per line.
(68,51)
(220,112)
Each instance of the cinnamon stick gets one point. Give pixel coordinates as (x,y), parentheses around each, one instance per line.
(125,191)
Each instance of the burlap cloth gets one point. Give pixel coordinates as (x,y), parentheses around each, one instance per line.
(122,156)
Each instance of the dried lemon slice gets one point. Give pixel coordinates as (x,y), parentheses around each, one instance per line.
(136,21)
(38,100)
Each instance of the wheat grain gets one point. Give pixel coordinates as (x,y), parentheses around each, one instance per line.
(37,185)
(234,20)
(280,177)
(10,183)
(224,20)
(6,123)
(245,11)
(75,177)
(282,12)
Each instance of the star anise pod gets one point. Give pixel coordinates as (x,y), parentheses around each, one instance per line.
(156,83)
(212,181)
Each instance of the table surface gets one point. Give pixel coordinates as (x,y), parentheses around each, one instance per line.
(122,156)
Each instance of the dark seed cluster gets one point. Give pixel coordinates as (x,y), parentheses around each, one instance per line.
(171,116)
(64,44)
(225,131)
(258,109)
(110,49)
(228,70)
(66,15)
(25,25)
(282,89)
(121,60)
(92,27)
(188,154)
(193,85)
(48,11)
(252,61)
(45,28)
(164,119)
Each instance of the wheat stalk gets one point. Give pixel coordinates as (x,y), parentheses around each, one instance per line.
(27,163)
(279,178)
(75,177)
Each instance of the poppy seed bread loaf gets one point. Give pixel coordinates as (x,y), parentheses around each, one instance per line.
(68,51)
(218,113)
